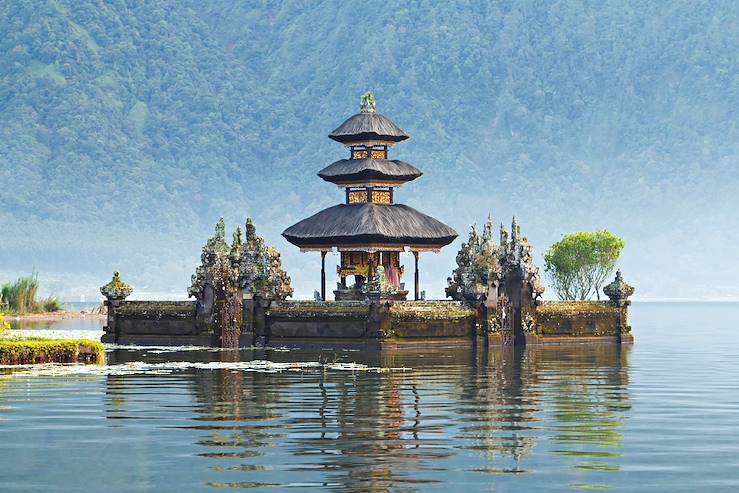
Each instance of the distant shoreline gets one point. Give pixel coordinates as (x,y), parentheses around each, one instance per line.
(53,316)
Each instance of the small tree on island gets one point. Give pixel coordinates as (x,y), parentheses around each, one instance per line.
(580,263)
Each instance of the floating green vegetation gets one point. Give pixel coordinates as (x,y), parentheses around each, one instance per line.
(19,297)
(38,350)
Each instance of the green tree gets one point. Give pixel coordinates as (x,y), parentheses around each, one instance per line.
(579,263)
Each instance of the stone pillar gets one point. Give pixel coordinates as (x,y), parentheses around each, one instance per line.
(323,276)
(416,285)
(115,292)
(618,292)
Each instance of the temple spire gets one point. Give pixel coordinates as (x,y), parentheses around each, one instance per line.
(368,103)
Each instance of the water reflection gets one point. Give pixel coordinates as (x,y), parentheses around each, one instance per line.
(457,416)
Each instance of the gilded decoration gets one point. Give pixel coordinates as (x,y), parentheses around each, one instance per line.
(381,197)
(361,154)
(379,154)
(359,197)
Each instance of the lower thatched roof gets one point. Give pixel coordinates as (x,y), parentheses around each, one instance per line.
(364,224)
(353,170)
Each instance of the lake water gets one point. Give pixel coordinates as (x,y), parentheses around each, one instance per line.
(660,416)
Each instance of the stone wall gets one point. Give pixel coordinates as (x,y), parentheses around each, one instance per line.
(317,320)
(431,319)
(579,322)
(554,322)
(155,323)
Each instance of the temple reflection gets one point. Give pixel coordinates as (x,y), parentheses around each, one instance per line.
(480,411)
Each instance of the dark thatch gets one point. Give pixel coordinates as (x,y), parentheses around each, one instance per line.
(361,224)
(368,126)
(352,170)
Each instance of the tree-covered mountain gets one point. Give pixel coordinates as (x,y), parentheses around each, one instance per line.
(128,127)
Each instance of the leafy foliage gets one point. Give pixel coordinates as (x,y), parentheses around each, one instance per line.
(579,263)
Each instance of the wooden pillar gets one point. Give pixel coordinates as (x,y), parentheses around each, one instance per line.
(323,276)
(417,287)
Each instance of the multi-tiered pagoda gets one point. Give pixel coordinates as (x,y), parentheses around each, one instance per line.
(370,229)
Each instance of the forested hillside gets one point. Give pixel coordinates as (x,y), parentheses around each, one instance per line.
(128,127)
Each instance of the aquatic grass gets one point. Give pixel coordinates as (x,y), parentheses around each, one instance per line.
(50,304)
(39,350)
(19,297)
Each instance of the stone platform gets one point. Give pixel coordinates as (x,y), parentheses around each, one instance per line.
(381,323)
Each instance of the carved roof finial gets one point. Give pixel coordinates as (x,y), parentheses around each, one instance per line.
(116,289)
(368,103)
(514,230)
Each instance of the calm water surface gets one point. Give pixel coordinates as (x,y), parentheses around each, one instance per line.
(661,416)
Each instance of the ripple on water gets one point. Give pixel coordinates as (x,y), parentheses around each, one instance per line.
(663,416)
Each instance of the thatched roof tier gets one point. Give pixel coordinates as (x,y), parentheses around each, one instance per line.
(367,224)
(348,171)
(364,127)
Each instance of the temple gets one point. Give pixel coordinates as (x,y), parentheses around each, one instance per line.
(241,291)
(370,229)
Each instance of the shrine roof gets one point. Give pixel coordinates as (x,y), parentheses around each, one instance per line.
(354,170)
(368,127)
(362,224)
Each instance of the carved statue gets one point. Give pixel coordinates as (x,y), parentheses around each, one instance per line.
(368,103)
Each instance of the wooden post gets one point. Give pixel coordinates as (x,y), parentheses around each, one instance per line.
(417,287)
(323,276)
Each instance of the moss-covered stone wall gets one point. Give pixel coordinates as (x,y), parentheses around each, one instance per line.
(580,319)
(430,319)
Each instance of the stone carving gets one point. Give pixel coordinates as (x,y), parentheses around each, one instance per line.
(516,259)
(618,291)
(213,284)
(501,276)
(246,264)
(368,103)
(116,289)
(477,263)
(261,271)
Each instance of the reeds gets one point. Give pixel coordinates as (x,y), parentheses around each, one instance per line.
(19,297)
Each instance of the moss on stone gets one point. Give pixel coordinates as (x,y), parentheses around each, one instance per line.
(38,350)
(307,309)
(431,310)
(156,310)
(575,308)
